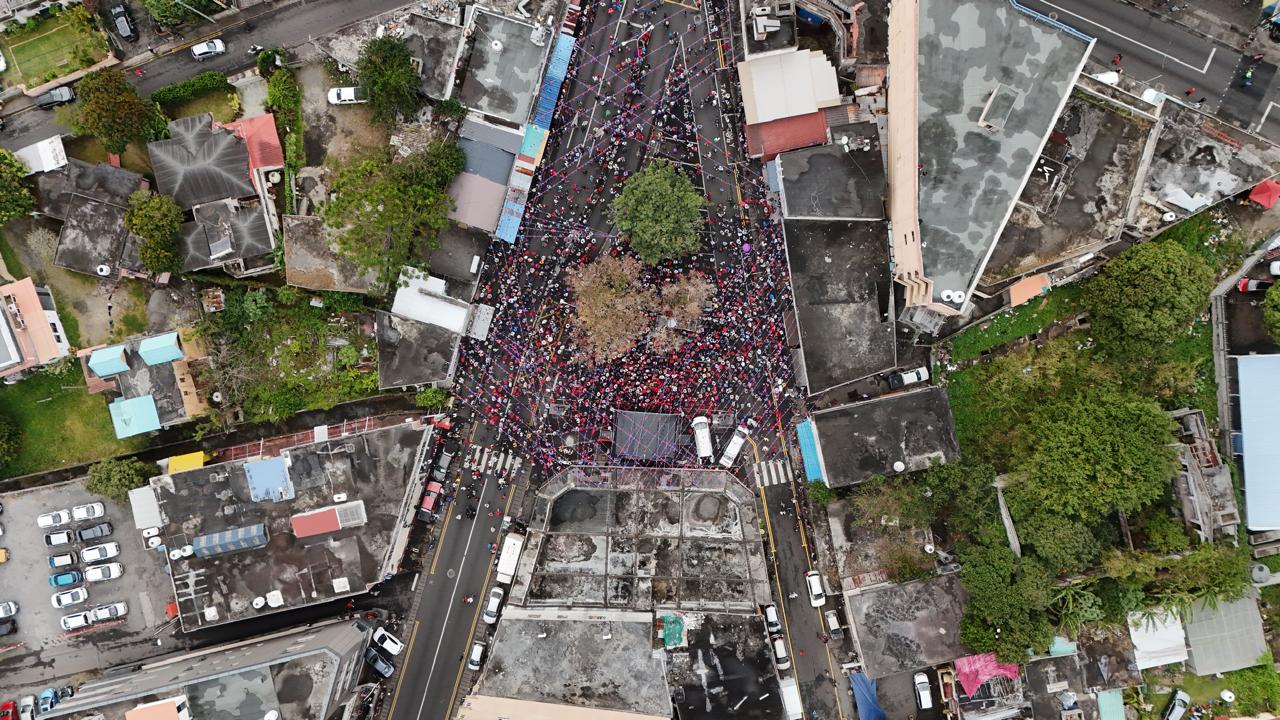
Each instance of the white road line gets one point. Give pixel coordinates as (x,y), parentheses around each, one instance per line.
(1201,70)
(1263,121)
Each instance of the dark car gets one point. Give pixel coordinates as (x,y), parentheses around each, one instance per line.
(93,532)
(123,22)
(8,627)
(379,663)
(55,97)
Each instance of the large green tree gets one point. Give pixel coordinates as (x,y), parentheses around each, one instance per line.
(115,478)
(1271,314)
(386,72)
(156,219)
(390,211)
(1089,454)
(660,212)
(173,12)
(15,197)
(1144,297)
(1008,600)
(111,110)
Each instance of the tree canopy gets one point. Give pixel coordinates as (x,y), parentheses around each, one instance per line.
(613,310)
(659,212)
(1145,296)
(172,12)
(156,219)
(1008,597)
(111,110)
(390,211)
(115,478)
(1271,314)
(386,72)
(15,198)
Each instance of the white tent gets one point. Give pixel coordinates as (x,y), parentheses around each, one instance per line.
(422,298)
(43,156)
(1158,639)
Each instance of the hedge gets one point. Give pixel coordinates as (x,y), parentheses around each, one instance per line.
(198,86)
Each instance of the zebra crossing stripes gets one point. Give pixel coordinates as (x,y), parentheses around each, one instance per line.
(771,472)
(486,460)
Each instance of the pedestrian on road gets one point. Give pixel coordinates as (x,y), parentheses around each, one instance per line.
(793,596)
(1116,60)
(1191,91)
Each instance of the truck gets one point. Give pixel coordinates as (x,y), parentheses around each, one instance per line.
(792,709)
(702,438)
(509,557)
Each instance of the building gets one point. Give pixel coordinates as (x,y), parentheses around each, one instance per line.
(307,673)
(1203,486)
(43,156)
(480,191)
(320,521)
(91,200)
(418,340)
(31,333)
(907,627)
(1258,387)
(434,41)
(1225,636)
(154,380)
(843,180)
(504,61)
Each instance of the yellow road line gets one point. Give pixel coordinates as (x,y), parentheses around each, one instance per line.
(777,577)
(447,518)
(405,666)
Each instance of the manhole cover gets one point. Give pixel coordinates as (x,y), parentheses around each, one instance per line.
(449,573)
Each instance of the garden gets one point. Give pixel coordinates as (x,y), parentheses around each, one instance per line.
(46,48)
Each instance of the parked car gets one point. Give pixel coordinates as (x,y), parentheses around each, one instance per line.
(91,511)
(492,606)
(105,571)
(924,692)
(66,598)
(1248,285)
(9,710)
(55,97)
(8,627)
(781,659)
(48,699)
(54,539)
(76,621)
(93,532)
(813,581)
(1178,705)
(27,708)
(908,377)
(110,611)
(476,656)
(66,579)
(379,664)
(771,621)
(208,49)
(387,641)
(66,559)
(8,609)
(98,553)
(1274,267)
(54,519)
(347,96)
(123,23)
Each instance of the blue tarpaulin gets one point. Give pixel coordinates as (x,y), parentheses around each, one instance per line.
(864,692)
(809,452)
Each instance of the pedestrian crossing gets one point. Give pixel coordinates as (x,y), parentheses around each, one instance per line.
(487,460)
(771,472)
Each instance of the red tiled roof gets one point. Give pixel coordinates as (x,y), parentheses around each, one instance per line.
(766,140)
(259,134)
(316,522)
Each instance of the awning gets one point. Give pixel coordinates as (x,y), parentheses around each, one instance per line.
(230,540)
(1265,193)
(434,487)
(864,693)
(183,463)
(809,452)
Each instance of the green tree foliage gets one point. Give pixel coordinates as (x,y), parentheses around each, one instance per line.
(115,478)
(156,219)
(386,72)
(1162,534)
(1064,546)
(1008,598)
(1271,314)
(390,212)
(1209,572)
(10,440)
(111,110)
(1093,453)
(200,85)
(660,212)
(172,12)
(612,309)
(1257,688)
(15,198)
(284,100)
(961,495)
(820,493)
(1144,297)
(432,398)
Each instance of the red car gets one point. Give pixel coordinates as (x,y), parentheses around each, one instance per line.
(8,710)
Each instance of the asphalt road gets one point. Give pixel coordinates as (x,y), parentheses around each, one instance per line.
(286,25)
(1174,60)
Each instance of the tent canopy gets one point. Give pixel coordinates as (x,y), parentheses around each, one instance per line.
(1265,193)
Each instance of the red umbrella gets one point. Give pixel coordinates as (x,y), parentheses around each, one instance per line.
(1266,193)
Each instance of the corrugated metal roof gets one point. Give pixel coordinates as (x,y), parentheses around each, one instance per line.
(1225,638)
(188,461)
(108,361)
(269,480)
(499,137)
(230,540)
(1259,380)
(316,522)
(809,451)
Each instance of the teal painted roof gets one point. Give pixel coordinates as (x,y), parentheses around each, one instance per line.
(108,361)
(160,349)
(134,416)
(1111,705)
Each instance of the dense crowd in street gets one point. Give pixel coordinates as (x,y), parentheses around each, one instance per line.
(666,91)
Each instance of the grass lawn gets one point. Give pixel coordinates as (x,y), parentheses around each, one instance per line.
(218,103)
(1196,348)
(52,49)
(62,424)
(89,150)
(1017,322)
(1221,246)
(11,260)
(134,321)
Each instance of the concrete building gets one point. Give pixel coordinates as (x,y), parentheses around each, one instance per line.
(154,380)
(305,673)
(906,627)
(91,200)
(31,333)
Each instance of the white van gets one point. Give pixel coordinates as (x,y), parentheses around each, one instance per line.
(702,438)
(924,693)
(771,622)
(780,658)
(731,450)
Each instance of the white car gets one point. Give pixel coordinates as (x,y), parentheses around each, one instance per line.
(92,511)
(109,611)
(387,641)
(54,519)
(813,581)
(105,571)
(75,621)
(8,609)
(208,49)
(98,553)
(492,606)
(347,96)
(74,596)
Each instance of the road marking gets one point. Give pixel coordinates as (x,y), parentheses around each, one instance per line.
(1202,70)
(771,472)
(1263,121)
(403,668)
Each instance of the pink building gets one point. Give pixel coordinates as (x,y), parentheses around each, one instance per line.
(31,334)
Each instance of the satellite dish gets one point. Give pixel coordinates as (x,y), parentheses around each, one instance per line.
(495,45)
(103,270)
(929,548)
(957,296)
(946,296)
(899,466)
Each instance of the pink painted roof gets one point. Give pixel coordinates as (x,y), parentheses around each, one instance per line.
(768,139)
(36,339)
(259,134)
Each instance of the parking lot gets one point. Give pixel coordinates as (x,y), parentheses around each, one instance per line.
(41,654)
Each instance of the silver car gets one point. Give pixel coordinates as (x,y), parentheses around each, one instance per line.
(8,609)
(208,49)
(110,611)
(66,598)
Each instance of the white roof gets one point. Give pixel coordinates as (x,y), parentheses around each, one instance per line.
(421,297)
(786,85)
(43,156)
(1157,640)
(146,509)
(1259,382)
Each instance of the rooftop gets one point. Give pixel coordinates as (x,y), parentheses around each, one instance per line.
(101,182)
(503,67)
(247,559)
(639,538)
(1047,679)
(842,286)
(766,140)
(780,38)
(1258,378)
(477,201)
(225,231)
(909,626)
(723,666)
(200,163)
(458,260)
(311,259)
(601,660)
(646,435)
(841,181)
(154,378)
(1225,637)
(992,81)
(431,40)
(787,84)
(91,201)
(412,352)
(870,438)
(427,299)
(26,336)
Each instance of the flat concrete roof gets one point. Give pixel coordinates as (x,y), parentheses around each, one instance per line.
(311,260)
(504,66)
(836,181)
(982,60)
(909,626)
(433,41)
(781,39)
(585,658)
(458,260)
(842,286)
(724,666)
(412,352)
(865,439)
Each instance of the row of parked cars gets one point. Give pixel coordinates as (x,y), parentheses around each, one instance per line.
(67,578)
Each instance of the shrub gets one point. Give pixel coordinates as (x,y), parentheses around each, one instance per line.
(115,478)
(192,88)
(10,441)
(451,108)
(432,398)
